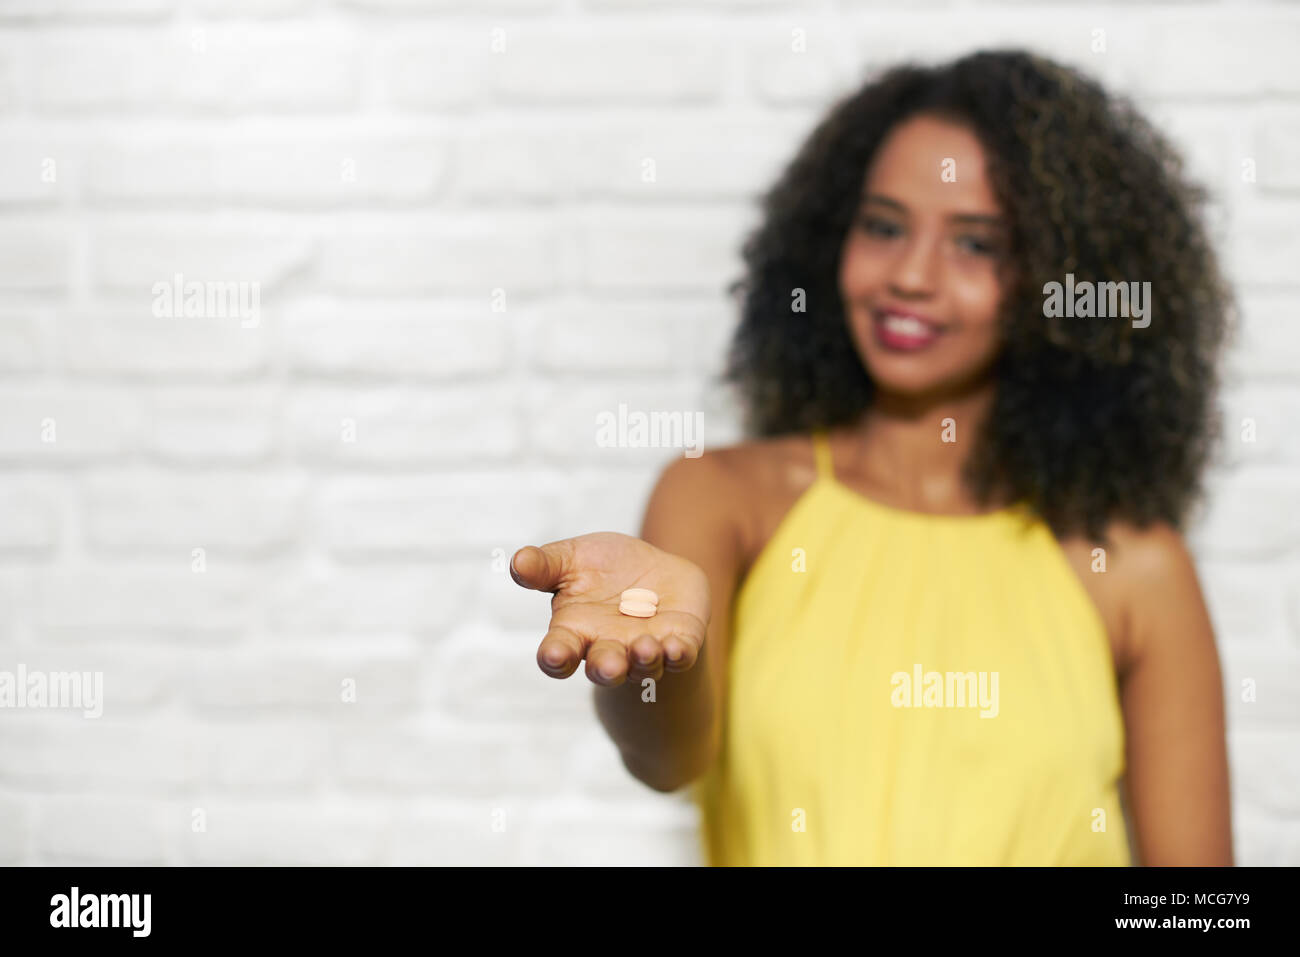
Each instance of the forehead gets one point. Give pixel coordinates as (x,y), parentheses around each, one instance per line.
(910,167)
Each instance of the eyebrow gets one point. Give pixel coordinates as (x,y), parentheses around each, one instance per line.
(984,219)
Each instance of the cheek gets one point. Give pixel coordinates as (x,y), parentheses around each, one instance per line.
(976,300)
(858,268)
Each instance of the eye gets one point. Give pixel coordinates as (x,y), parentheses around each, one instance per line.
(977,245)
(875,226)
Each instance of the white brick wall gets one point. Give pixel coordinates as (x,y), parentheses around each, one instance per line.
(387,178)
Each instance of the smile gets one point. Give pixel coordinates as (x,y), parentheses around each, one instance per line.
(903,332)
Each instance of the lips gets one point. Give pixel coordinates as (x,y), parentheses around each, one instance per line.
(903,330)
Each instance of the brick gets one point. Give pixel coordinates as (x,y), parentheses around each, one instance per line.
(461,253)
(1064,35)
(386,340)
(97,9)
(161,600)
(1260,425)
(8,82)
(1245,601)
(151,170)
(127,680)
(455,760)
(133,260)
(704,159)
(602,64)
(53,425)
(1276,677)
(25,337)
(1251,53)
(52,750)
(1264,244)
(250,8)
(34,170)
(598,769)
(441,7)
(779,73)
(34,257)
(402,426)
(102,830)
(664,249)
(444,71)
(390,598)
(232,67)
(286,833)
(1206,136)
(331,171)
(593,423)
(1265,771)
(457,834)
(1247,514)
(1264,841)
(658,832)
(1277,144)
(295,66)
(30,515)
(438,515)
(1267,344)
(211,425)
(15,829)
(518,162)
(497,677)
(1293,607)
(128,340)
(97,69)
(609,337)
(309,676)
(264,756)
(152,511)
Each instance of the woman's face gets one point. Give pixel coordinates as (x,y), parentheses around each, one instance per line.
(919,271)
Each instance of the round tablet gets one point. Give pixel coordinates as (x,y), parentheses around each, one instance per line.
(640,594)
(637,609)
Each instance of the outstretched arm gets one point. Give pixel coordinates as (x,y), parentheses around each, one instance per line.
(1172,696)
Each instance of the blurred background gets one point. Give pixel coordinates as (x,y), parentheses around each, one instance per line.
(463,231)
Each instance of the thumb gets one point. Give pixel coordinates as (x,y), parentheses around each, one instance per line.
(539,567)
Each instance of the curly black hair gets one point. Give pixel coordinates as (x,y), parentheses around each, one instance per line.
(1092,421)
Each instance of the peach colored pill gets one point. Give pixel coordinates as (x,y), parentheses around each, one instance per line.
(637,609)
(640,594)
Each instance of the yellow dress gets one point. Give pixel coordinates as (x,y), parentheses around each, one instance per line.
(1008,750)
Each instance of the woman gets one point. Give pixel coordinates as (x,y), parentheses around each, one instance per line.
(938,610)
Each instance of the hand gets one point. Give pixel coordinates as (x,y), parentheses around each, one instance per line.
(587,575)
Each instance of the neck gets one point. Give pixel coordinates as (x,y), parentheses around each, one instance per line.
(904,444)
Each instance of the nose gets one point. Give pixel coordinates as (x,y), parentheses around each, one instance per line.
(916,268)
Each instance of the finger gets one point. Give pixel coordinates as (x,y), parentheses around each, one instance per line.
(607,662)
(679,653)
(543,568)
(645,658)
(560,651)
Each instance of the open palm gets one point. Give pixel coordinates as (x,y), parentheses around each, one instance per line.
(587,575)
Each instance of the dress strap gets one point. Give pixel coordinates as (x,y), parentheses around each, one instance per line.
(822,453)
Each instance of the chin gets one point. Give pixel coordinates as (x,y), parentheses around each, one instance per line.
(925,373)
(906,375)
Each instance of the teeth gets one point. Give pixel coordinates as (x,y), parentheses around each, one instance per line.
(906,325)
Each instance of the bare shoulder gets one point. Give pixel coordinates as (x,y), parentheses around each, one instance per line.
(738,484)
(1150,555)
(1158,582)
